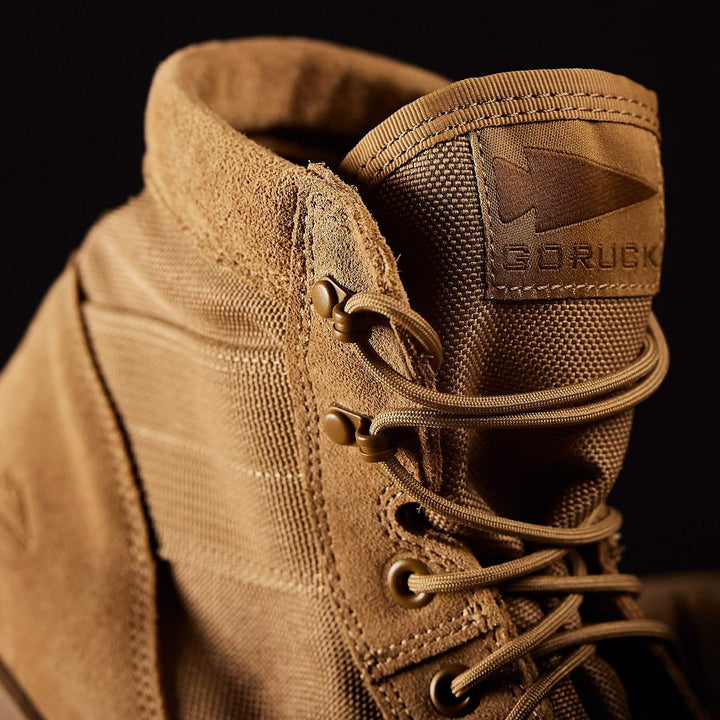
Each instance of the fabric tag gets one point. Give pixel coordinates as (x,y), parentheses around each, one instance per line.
(570,209)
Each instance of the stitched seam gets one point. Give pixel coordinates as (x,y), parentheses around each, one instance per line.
(428,631)
(587,286)
(476,146)
(398,699)
(272,577)
(490,101)
(140,584)
(168,342)
(519,113)
(319,506)
(661,194)
(421,646)
(150,434)
(154,328)
(384,502)
(510,98)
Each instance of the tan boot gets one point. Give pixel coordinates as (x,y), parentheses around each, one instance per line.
(277,447)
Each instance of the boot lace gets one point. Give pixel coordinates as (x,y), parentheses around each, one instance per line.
(574,404)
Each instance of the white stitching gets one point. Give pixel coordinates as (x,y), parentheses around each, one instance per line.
(150,434)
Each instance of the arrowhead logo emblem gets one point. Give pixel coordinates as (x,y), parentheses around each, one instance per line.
(563,189)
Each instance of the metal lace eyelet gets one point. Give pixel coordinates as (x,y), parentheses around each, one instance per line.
(325,294)
(348,428)
(397,579)
(443,698)
(328,300)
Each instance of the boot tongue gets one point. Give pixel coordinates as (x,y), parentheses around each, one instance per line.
(527,213)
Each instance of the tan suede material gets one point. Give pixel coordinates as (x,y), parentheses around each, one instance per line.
(359,500)
(273,542)
(77,604)
(235,194)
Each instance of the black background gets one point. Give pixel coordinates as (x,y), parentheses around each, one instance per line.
(75,79)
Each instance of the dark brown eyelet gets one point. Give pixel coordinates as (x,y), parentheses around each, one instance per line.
(347,327)
(443,698)
(397,583)
(338,427)
(324,297)
(411,516)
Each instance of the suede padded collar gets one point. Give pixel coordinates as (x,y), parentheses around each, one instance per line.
(206,100)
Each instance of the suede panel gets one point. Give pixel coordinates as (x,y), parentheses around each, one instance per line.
(359,528)
(236,195)
(77,591)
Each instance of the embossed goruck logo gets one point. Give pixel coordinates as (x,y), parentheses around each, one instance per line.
(563,189)
(570,210)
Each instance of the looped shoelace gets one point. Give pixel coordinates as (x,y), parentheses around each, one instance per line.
(579,403)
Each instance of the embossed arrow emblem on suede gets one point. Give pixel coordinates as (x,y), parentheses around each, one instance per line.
(563,189)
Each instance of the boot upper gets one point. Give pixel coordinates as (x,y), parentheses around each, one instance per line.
(265,545)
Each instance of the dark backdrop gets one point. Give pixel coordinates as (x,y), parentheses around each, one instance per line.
(75,78)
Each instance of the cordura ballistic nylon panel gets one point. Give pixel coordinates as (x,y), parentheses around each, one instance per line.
(219,468)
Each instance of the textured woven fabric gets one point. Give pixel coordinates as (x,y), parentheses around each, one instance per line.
(222,485)
(430,210)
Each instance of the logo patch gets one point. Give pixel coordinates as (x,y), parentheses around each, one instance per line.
(570,209)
